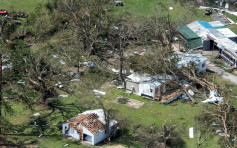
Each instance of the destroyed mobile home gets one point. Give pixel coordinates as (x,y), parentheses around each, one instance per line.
(88,126)
(154,87)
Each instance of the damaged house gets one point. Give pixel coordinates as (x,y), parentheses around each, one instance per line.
(145,85)
(211,36)
(88,126)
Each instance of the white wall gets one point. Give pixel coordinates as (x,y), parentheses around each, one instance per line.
(74,133)
(65,126)
(100,136)
(144,88)
(200,68)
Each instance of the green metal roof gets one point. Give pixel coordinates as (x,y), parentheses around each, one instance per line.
(195,43)
(187,32)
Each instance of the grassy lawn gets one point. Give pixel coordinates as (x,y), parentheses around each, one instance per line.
(152,112)
(16,5)
(233,18)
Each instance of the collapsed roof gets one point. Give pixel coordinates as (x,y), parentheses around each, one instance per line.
(186,58)
(92,120)
(136,77)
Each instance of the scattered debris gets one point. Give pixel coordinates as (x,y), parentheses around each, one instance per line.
(97,92)
(36,114)
(63,96)
(220,132)
(66,144)
(75,80)
(120,87)
(62,62)
(191,134)
(21,82)
(88,64)
(40,135)
(191,92)
(213,97)
(117,71)
(54,56)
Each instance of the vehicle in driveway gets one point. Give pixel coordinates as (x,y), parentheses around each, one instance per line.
(118,3)
(3,12)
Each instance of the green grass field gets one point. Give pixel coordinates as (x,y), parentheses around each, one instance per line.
(16,5)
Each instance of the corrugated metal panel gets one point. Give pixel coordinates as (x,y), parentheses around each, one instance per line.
(227,32)
(216,24)
(187,32)
(195,43)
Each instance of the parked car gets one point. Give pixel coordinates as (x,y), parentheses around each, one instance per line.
(3,12)
(118,3)
(21,14)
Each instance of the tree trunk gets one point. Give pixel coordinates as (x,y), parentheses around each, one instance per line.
(120,63)
(107,126)
(0,93)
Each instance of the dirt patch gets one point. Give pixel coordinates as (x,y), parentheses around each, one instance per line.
(108,85)
(131,103)
(114,146)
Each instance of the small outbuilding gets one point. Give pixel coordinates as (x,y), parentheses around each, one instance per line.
(88,126)
(145,85)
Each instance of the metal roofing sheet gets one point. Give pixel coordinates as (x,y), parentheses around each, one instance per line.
(195,43)
(187,32)
(216,24)
(199,29)
(227,32)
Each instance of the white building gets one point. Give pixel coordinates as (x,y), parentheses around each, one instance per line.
(198,59)
(88,126)
(145,85)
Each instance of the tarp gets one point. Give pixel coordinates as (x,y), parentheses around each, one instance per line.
(187,32)
(205,24)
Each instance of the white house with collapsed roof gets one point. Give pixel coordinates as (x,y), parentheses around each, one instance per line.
(197,59)
(88,126)
(211,36)
(145,85)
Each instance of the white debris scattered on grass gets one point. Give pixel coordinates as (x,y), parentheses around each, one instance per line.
(54,56)
(191,92)
(97,92)
(59,84)
(63,96)
(75,80)
(36,114)
(66,144)
(120,87)
(40,135)
(21,82)
(62,62)
(191,132)
(220,132)
(213,97)
(117,71)
(89,64)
